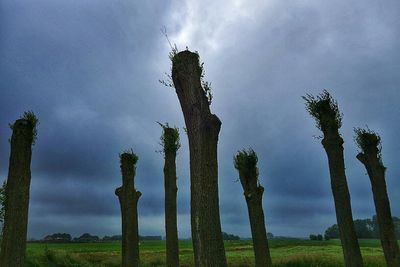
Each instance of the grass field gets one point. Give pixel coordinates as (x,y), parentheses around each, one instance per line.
(239,253)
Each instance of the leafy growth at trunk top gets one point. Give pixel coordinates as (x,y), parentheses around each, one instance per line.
(31,118)
(128,157)
(246,163)
(368,141)
(325,110)
(169,140)
(206,85)
(172,57)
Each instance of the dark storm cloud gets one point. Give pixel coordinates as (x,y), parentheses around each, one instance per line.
(76,65)
(301,48)
(90,71)
(72,197)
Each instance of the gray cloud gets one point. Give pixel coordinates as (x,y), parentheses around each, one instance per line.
(90,71)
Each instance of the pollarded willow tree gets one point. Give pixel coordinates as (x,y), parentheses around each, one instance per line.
(369,143)
(326,113)
(246,163)
(128,200)
(170,145)
(203,129)
(13,246)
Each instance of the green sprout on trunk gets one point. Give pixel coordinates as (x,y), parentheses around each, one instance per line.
(169,140)
(129,157)
(368,140)
(246,163)
(325,110)
(31,118)
(168,82)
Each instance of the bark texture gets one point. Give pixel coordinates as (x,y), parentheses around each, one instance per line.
(13,245)
(376,172)
(203,130)
(253,193)
(128,199)
(258,231)
(333,145)
(171,189)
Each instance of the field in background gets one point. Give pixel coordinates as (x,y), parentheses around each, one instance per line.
(285,253)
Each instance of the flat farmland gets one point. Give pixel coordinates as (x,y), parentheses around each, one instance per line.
(239,253)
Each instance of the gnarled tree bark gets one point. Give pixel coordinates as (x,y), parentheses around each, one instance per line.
(376,172)
(13,245)
(202,129)
(128,199)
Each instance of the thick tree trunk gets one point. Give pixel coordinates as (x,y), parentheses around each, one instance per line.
(171,226)
(128,199)
(333,145)
(257,223)
(376,173)
(202,129)
(17,196)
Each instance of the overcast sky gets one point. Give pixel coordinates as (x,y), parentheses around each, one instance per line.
(90,70)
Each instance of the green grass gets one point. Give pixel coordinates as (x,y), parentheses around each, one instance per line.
(285,253)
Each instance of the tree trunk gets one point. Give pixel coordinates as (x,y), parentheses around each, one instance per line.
(333,145)
(257,223)
(202,129)
(13,245)
(376,173)
(128,199)
(171,227)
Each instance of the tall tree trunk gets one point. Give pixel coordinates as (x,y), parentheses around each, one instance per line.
(128,199)
(376,173)
(202,129)
(13,245)
(171,226)
(325,111)
(333,145)
(246,163)
(257,223)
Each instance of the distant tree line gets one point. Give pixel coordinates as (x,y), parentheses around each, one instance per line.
(318,237)
(88,238)
(226,236)
(365,228)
